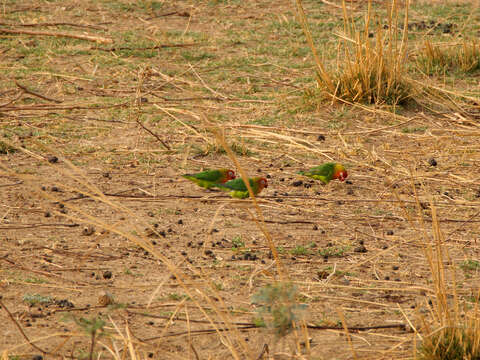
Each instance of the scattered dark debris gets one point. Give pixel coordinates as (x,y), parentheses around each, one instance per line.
(350,192)
(321,138)
(107,274)
(432,162)
(322,274)
(395,267)
(55,189)
(107,175)
(389,232)
(315,227)
(180,222)
(360,249)
(47,214)
(52,159)
(64,303)
(297,183)
(348,182)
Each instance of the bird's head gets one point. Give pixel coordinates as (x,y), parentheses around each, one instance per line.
(263,183)
(230,175)
(339,172)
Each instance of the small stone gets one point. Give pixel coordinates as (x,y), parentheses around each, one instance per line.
(297,183)
(180,222)
(105,298)
(395,267)
(52,159)
(54,189)
(268,176)
(360,249)
(107,274)
(89,230)
(389,232)
(321,138)
(432,162)
(184,253)
(208,252)
(348,182)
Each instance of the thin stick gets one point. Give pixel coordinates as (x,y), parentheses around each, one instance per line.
(20,328)
(153,134)
(96,39)
(156,47)
(56,24)
(28,91)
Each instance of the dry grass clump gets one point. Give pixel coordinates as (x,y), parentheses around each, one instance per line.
(452,332)
(441,58)
(374,62)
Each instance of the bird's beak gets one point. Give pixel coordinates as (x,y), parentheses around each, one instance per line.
(343,176)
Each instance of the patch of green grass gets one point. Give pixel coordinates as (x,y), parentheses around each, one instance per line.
(334,251)
(35,280)
(193,56)
(237,243)
(177,297)
(411,130)
(470,265)
(299,250)
(34,299)
(451,343)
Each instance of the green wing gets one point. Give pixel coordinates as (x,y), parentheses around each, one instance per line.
(238,189)
(236,185)
(208,175)
(205,179)
(324,172)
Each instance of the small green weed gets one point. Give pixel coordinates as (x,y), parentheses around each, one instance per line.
(331,251)
(278,307)
(237,243)
(299,250)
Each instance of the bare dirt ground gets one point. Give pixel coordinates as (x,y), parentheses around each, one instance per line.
(354,250)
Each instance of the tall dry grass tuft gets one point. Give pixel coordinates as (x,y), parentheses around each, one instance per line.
(373,70)
(442,58)
(451,332)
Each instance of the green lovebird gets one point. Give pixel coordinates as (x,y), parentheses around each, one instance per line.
(238,189)
(210,178)
(326,172)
